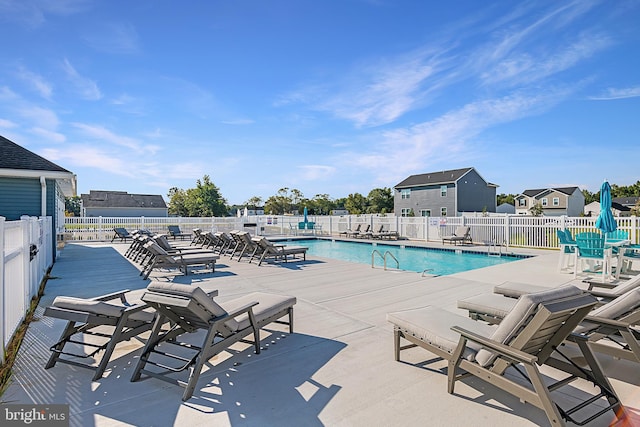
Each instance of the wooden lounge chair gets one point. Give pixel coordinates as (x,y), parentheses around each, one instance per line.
(174,231)
(121,233)
(269,250)
(612,322)
(349,231)
(122,311)
(162,259)
(462,235)
(190,310)
(527,337)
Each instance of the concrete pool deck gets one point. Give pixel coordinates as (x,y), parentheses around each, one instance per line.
(336,369)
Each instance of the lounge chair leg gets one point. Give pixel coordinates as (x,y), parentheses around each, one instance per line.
(69,330)
(549,408)
(396,344)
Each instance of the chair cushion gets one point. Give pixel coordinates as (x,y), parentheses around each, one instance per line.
(101,308)
(188,291)
(520,316)
(614,310)
(268,305)
(515,289)
(432,325)
(491,304)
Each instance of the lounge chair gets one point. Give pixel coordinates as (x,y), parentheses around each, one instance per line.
(349,231)
(121,233)
(383,233)
(190,310)
(122,311)
(603,291)
(162,259)
(249,247)
(269,250)
(174,231)
(527,337)
(462,235)
(363,231)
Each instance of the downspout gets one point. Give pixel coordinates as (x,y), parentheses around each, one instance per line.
(43,208)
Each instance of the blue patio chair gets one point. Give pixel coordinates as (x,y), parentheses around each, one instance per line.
(590,247)
(567,249)
(569,236)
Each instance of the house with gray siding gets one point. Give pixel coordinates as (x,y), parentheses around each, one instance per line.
(122,204)
(554,201)
(32,185)
(444,193)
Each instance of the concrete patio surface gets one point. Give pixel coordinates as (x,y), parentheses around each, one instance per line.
(336,369)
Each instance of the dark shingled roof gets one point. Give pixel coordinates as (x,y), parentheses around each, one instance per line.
(121,199)
(566,190)
(628,201)
(432,178)
(13,156)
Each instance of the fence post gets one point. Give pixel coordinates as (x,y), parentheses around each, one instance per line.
(507,229)
(3,312)
(633,235)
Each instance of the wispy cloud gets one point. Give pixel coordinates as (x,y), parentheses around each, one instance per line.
(83,156)
(238,122)
(613,93)
(41,117)
(36,82)
(85,87)
(103,134)
(315,172)
(114,37)
(449,135)
(48,134)
(7,124)
(33,13)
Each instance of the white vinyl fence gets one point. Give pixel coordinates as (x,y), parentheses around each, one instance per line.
(502,230)
(25,258)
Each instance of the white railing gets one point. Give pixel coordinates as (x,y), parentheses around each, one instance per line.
(26,256)
(503,230)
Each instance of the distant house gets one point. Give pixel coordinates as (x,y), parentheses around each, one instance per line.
(122,204)
(628,202)
(506,208)
(340,211)
(554,201)
(593,209)
(32,185)
(444,193)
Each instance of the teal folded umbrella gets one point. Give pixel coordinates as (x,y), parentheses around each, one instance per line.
(605,221)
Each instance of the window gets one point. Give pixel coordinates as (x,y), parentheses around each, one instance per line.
(522,202)
(556,201)
(405,193)
(425,212)
(545,202)
(443,211)
(443,190)
(406,212)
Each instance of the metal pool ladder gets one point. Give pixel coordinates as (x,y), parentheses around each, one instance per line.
(494,249)
(384,258)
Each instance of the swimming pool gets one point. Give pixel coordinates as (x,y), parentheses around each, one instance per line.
(438,262)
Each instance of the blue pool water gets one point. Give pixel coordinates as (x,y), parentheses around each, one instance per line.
(438,262)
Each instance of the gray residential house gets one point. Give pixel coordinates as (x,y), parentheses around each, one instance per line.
(32,185)
(122,204)
(554,201)
(444,193)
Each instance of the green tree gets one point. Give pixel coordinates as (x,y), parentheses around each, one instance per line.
(280,203)
(322,204)
(254,202)
(506,198)
(72,206)
(380,200)
(536,210)
(356,204)
(203,200)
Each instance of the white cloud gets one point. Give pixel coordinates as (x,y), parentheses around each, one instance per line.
(103,134)
(40,117)
(33,13)
(35,82)
(48,134)
(83,156)
(613,93)
(86,88)
(238,122)
(316,172)
(114,37)
(7,124)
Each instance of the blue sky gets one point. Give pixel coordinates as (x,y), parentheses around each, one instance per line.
(329,97)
